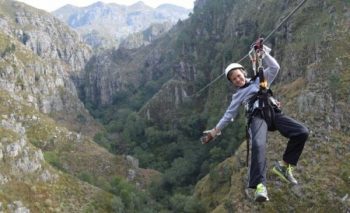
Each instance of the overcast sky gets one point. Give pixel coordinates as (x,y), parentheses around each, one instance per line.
(51,5)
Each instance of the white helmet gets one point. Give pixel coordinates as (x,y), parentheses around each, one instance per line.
(232,66)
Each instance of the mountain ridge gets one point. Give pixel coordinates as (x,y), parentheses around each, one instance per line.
(106,25)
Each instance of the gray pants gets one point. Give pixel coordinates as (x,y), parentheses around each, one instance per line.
(289,128)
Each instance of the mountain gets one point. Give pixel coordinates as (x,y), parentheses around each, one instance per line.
(49,159)
(58,156)
(106,25)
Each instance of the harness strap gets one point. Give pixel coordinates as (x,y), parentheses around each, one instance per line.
(248,141)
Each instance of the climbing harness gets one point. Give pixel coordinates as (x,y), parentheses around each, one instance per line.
(262,104)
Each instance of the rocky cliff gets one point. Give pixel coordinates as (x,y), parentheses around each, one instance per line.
(39,59)
(106,25)
(115,71)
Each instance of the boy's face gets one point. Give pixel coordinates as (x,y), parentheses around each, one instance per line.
(237,77)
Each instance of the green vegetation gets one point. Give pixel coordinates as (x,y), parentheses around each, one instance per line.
(53,158)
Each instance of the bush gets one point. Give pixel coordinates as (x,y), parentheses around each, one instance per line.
(84,176)
(52,158)
(193,205)
(101,139)
(220,175)
(217,154)
(180,173)
(178,202)
(117,205)
(81,118)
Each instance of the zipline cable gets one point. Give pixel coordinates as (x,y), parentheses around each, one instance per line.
(265,39)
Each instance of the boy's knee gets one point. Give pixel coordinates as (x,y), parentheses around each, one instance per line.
(259,145)
(303,135)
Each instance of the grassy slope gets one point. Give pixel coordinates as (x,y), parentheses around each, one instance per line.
(61,193)
(323,173)
(72,156)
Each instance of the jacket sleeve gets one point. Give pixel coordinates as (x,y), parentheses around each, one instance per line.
(231,111)
(271,68)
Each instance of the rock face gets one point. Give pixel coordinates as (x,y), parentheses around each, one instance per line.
(21,159)
(46,36)
(145,37)
(57,55)
(114,71)
(163,106)
(40,57)
(106,25)
(17,206)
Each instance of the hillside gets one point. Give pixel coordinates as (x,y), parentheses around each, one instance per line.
(323,175)
(49,160)
(28,182)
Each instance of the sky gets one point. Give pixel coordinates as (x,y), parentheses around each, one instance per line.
(51,5)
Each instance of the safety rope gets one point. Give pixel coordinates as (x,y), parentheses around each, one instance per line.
(256,55)
(266,38)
